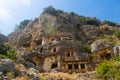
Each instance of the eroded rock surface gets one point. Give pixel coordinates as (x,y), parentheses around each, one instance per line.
(63,42)
(6,65)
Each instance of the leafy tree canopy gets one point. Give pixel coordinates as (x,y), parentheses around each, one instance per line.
(50,10)
(6,51)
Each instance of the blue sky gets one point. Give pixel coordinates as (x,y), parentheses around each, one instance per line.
(14,11)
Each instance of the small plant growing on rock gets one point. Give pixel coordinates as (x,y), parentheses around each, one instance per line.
(88,49)
(92,21)
(117,33)
(117,58)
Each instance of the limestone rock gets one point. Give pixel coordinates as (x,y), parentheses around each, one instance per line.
(99,45)
(116,50)
(61,42)
(6,65)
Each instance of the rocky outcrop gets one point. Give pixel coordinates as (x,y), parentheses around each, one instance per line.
(116,50)
(3,38)
(6,65)
(99,45)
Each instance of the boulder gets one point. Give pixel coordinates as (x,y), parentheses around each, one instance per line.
(99,45)
(6,65)
(94,47)
(116,50)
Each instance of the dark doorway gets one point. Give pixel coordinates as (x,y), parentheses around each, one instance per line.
(41,50)
(52,39)
(76,66)
(68,54)
(54,50)
(69,66)
(55,65)
(82,66)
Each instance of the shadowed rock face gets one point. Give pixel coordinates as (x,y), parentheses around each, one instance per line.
(3,38)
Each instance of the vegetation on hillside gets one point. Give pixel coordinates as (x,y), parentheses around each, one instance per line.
(109,70)
(6,51)
(117,33)
(84,20)
(50,10)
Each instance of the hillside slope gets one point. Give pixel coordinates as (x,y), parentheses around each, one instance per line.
(65,42)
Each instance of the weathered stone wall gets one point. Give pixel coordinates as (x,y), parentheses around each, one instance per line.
(51,62)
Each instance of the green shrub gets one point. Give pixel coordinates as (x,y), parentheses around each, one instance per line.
(110,39)
(103,68)
(117,58)
(7,52)
(92,21)
(82,19)
(4,48)
(117,33)
(11,54)
(60,11)
(108,70)
(88,49)
(50,10)
(3,56)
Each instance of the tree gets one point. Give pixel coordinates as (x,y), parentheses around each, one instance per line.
(6,51)
(60,11)
(92,21)
(50,10)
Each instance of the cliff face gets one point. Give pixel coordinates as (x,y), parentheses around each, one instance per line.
(3,38)
(64,24)
(64,41)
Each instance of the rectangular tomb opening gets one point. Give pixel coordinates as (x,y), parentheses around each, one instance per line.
(69,66)
(76,66)
(82,66)
(54,65)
